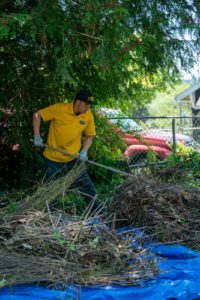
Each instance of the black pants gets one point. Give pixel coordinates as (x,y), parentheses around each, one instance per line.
(83,183)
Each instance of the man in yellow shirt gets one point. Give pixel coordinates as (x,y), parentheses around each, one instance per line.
(68,123)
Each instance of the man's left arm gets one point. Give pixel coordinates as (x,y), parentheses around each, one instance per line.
(86,145)
(89,133)
(87,142)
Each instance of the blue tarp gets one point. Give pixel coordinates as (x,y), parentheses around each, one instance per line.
(180,281)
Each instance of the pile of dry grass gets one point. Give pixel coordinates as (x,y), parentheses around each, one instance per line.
(54,248)
(48,191)
(171,213)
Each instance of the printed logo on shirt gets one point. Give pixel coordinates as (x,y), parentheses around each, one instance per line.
(82,122)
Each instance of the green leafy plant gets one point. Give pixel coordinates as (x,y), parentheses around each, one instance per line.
(58,237)
(3,282)
(94,243)
(72,246)
(11,208)
(184,167)
(107,148)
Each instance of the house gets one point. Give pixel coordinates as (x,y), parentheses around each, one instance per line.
(192,94)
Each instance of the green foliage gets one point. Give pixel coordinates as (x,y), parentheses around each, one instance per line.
(72,246)
(94,243)
(57,236)
(19,160)
(108,141)
(151,156)
(164,103)
(51,48)
(107,148)
(72,203)
(3,283)
(11,208)
(186,167)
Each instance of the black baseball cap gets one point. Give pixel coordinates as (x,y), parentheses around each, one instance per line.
(85,96)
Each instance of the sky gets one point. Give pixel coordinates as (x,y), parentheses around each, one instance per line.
(195,72)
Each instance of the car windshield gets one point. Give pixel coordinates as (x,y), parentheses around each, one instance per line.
(124,124)
(127,124)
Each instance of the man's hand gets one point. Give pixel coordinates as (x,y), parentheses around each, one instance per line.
(83,155)
(38,141)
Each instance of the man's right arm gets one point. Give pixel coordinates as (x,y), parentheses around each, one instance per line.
(38,141)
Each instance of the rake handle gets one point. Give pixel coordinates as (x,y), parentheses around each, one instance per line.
(89,161)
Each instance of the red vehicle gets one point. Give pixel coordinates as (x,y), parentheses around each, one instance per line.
(140,142)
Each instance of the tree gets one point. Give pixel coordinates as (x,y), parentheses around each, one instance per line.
(119,49)
(164,103)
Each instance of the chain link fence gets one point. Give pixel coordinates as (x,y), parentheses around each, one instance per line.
(151,140)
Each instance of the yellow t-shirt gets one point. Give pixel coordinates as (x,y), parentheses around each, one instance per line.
(66,129)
